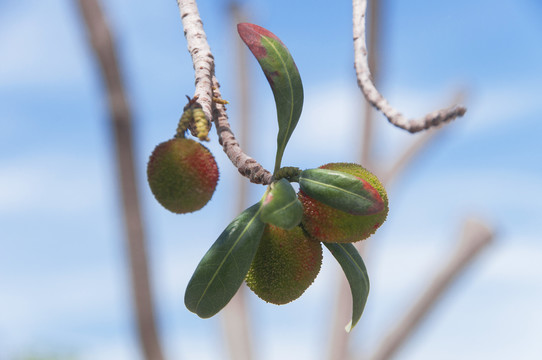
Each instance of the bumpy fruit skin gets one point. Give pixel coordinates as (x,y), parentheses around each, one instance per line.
(328,224)
(182,175)
(285,265)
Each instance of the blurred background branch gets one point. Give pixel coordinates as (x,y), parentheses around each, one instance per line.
(102,42)
(237,329)
(339,339)
(475,237)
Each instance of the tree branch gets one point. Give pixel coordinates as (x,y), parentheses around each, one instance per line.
(202,58)
(373,61)
(207,87)
(476,236)
(374,97)
(121,121)
(246,165)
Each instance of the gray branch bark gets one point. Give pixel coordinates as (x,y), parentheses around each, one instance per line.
(374,97)
(207,87)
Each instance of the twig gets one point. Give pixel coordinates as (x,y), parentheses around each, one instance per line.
(246,165)
(102,43)
(375,98)
(207,87)
(373,61)
(202,58)
(476,236)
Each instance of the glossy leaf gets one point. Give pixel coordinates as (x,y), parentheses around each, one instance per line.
(281,207)
(341,191)
(356,274)
(223,268)
(281,72)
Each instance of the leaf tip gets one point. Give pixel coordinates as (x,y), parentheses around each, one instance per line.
(247,28)
(348,326)
(252,34)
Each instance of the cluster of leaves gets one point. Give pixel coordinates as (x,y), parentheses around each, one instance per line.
(224,267)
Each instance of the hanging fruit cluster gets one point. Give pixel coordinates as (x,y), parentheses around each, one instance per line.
(276,244)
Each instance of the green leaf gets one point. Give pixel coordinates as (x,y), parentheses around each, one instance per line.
(222,269)
(341,191)
(280,206)
(356,273)
(281,72)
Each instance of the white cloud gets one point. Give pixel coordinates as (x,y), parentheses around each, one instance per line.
(510,261)
(206,346)
(329,129)
(51,182)
(46,306)
(118,350)
(508,195)
(504,104)
(514,262)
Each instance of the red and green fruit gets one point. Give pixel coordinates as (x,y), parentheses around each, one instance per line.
(285,265)
(327,224)
(182,175)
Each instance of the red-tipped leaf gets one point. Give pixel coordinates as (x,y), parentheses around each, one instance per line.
(281,72)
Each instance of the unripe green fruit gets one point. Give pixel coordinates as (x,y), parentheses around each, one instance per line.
(328,224)
(182,175)
(285,265)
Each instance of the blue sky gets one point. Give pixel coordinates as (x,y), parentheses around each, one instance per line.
(63,280)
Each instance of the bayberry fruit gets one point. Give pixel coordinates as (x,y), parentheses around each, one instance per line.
(182,175)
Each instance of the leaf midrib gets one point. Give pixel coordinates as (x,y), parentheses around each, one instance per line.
(283,145)
(226,257)
(285,206)
(363,273)
(337,188)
